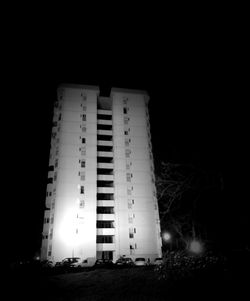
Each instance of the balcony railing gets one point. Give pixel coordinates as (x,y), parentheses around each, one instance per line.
(105,154)
(104,112)
(105,217)
(105,165)
(103,142)
(105,231)
(105,189)
(105,247)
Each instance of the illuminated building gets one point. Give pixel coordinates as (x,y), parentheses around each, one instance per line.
(101,197)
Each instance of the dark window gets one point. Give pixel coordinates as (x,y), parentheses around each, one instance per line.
(84,117)
(105,210)
(82,163)
(105,224)
(51,167)
(104,137)
(125,110)
(50,180)
(105,171)
(104,117)
(104,148)
(105,184)
(82,189)
(104,160)
(104,239)
(83,140)
(105,127)
(131,235)
(105,196)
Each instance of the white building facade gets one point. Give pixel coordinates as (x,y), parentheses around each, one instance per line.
(101,196)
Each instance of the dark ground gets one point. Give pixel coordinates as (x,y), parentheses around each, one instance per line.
(134,283)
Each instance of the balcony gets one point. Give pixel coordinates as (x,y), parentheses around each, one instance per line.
(106,122)
(104,143)
(105,203)
(105,189)
(104,132)
(105,177)
(105,217)
(104,112)
(105,247)
(105,231)
(105,172)
(105,165)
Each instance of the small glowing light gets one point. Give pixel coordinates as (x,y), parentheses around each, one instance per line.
(196,247)
(166,236)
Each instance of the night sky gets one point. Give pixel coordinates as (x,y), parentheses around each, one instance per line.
(195,111)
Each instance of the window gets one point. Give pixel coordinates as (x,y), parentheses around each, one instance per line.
(104,239)
(51,168)
(83,117)
(104,224)
(105,210)
(128,177)
(128,152)
(82,189)
(52,219)
(104,137)
(129,205)
(82,163)
(55,176)
(82,204)
(50,193)
(125,132)
(50,250)
(106,127)
(56,163)
(105,196)
(84,129)
(104,148)
(130,218)
(84,108)
(83,140)
(51,234)
(104,117)
(50,180)
(82,176)
(125,110)
(131,233)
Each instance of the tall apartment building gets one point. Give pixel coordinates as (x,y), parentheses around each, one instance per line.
(101,196)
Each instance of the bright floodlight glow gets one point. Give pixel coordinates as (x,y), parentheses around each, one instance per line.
(166,236)
(195,247)
(68,228)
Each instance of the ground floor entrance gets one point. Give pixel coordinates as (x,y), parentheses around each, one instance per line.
(104,255)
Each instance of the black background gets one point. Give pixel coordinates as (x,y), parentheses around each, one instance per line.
(193,71)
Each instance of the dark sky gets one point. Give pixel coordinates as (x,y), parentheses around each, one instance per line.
(195,109)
